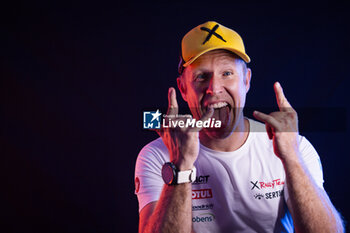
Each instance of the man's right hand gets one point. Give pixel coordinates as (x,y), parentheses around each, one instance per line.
(182,143)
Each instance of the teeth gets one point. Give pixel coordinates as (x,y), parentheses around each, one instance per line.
(218,105)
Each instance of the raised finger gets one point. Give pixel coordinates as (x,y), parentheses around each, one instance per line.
(267,119)
(209,113)
(282,101)
(183,122)
(173,108)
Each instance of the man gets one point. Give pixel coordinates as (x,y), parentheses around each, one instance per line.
(242,177)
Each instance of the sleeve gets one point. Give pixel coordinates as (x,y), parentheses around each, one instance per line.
(148,179)
(312,162)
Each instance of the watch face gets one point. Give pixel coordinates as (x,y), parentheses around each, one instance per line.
(167,173)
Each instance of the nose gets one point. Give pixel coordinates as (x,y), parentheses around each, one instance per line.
(215,86)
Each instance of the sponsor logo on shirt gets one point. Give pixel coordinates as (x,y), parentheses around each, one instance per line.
(206,217)
(275,194)
(201,179)
(202,207)
(269,195)
(263,185)
(259,196)
(254,184)
(202,194)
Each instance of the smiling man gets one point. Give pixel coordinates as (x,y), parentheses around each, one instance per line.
(242,177)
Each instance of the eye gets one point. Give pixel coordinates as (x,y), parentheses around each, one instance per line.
(227,73)
(201,77)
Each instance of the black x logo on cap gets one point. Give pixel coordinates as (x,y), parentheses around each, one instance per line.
(212,32)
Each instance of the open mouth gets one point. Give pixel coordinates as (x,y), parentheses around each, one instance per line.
(221,112)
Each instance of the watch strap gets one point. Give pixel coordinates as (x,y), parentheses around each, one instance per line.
(187,176)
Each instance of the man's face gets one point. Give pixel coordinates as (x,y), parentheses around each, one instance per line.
(216,79)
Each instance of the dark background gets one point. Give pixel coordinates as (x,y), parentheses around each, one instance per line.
(75,78)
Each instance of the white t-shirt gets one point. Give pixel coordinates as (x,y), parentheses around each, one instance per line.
(239,191)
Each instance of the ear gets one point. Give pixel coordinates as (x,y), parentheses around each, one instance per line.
(182,87)
(248,76)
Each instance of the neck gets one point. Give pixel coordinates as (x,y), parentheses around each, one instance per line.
(232,142)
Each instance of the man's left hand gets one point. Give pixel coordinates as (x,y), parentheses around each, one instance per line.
(282,127)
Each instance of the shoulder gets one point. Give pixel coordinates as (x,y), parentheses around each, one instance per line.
(308,152)
(155,153)
(257,131)
(155,146)
(256,126)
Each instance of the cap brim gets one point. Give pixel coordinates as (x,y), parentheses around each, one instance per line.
(244,56)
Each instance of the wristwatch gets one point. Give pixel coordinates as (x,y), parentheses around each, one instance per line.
(172,176)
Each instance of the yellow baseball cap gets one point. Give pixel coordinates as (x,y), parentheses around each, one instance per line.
(209,36)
